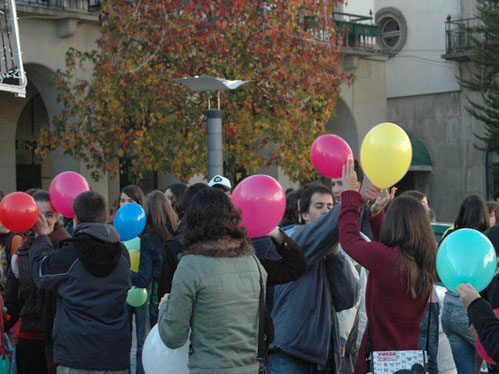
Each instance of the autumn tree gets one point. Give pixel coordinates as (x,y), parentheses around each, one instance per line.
(133,112)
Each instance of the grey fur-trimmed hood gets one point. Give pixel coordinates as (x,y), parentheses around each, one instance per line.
(223,247)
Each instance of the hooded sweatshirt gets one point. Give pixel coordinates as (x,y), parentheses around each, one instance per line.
(90,274)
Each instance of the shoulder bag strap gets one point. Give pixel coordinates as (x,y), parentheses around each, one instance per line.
(261,323)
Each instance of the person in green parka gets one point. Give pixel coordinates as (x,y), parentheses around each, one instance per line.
(215,291)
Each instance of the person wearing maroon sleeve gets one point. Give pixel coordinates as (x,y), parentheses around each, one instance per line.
(401,266)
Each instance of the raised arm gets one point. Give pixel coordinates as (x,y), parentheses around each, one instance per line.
(318,238)
(292,264)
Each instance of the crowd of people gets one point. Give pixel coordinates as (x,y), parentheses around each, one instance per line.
(350,270)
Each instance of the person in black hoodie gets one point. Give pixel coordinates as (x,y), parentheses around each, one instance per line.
(90,274)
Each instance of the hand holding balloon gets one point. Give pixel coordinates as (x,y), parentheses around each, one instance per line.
(467,293)
(41,226)
(349,177)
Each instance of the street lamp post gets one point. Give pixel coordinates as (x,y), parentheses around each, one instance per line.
(214,116)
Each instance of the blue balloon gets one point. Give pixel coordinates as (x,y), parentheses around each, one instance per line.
(130,221)
(466,256)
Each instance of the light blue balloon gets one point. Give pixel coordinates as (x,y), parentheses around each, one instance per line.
(4,365)
(466,256)
(130,221)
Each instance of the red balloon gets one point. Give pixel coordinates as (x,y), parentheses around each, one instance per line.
(18,211)
(262,202)
(328,155)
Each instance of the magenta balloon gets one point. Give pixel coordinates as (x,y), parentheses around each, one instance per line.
(328,155)
(63,190)
(262,202)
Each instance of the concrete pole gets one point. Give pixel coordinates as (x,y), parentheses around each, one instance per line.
(215,143)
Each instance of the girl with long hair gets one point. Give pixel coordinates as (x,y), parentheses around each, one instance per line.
(473,214)
(215,291)
(161,225)
(134,194)
(401,265)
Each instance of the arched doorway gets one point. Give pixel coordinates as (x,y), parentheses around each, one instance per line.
(39,107)
(31,172)
(343,124)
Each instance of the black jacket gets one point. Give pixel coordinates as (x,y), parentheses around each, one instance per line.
(491,293)
(91,277)
(486,325)
(170,256)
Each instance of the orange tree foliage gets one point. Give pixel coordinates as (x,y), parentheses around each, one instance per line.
(131,110)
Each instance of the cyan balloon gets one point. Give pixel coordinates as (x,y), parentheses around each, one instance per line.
(4,365)
(466,256)
(136,296)
(130,221)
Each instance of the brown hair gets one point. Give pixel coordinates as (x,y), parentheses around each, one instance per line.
(473,214)
(90,206)
(135,193)
(493,207)
(160,216)
(211,216)
(407,225)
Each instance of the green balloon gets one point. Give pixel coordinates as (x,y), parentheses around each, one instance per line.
(132,244)
(136,296)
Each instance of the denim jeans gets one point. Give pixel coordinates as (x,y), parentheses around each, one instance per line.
(153,314)
(140,328)
(284,364)
(433,344)
(455,323)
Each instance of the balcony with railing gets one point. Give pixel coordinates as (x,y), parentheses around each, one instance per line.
(360,34)
(85,10)
(458,38)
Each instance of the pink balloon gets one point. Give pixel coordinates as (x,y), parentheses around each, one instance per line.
(262,202)
(328,155)
(63,190)
(481,350)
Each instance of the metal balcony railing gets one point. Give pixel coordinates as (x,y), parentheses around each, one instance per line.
(359,32)
(80,5)
(458,36)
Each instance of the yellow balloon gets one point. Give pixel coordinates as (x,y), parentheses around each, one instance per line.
(386,154)
(134,259)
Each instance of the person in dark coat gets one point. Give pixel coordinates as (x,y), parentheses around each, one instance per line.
(483,319)
(90,274)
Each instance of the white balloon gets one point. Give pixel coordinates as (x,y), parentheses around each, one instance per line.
(157,358)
